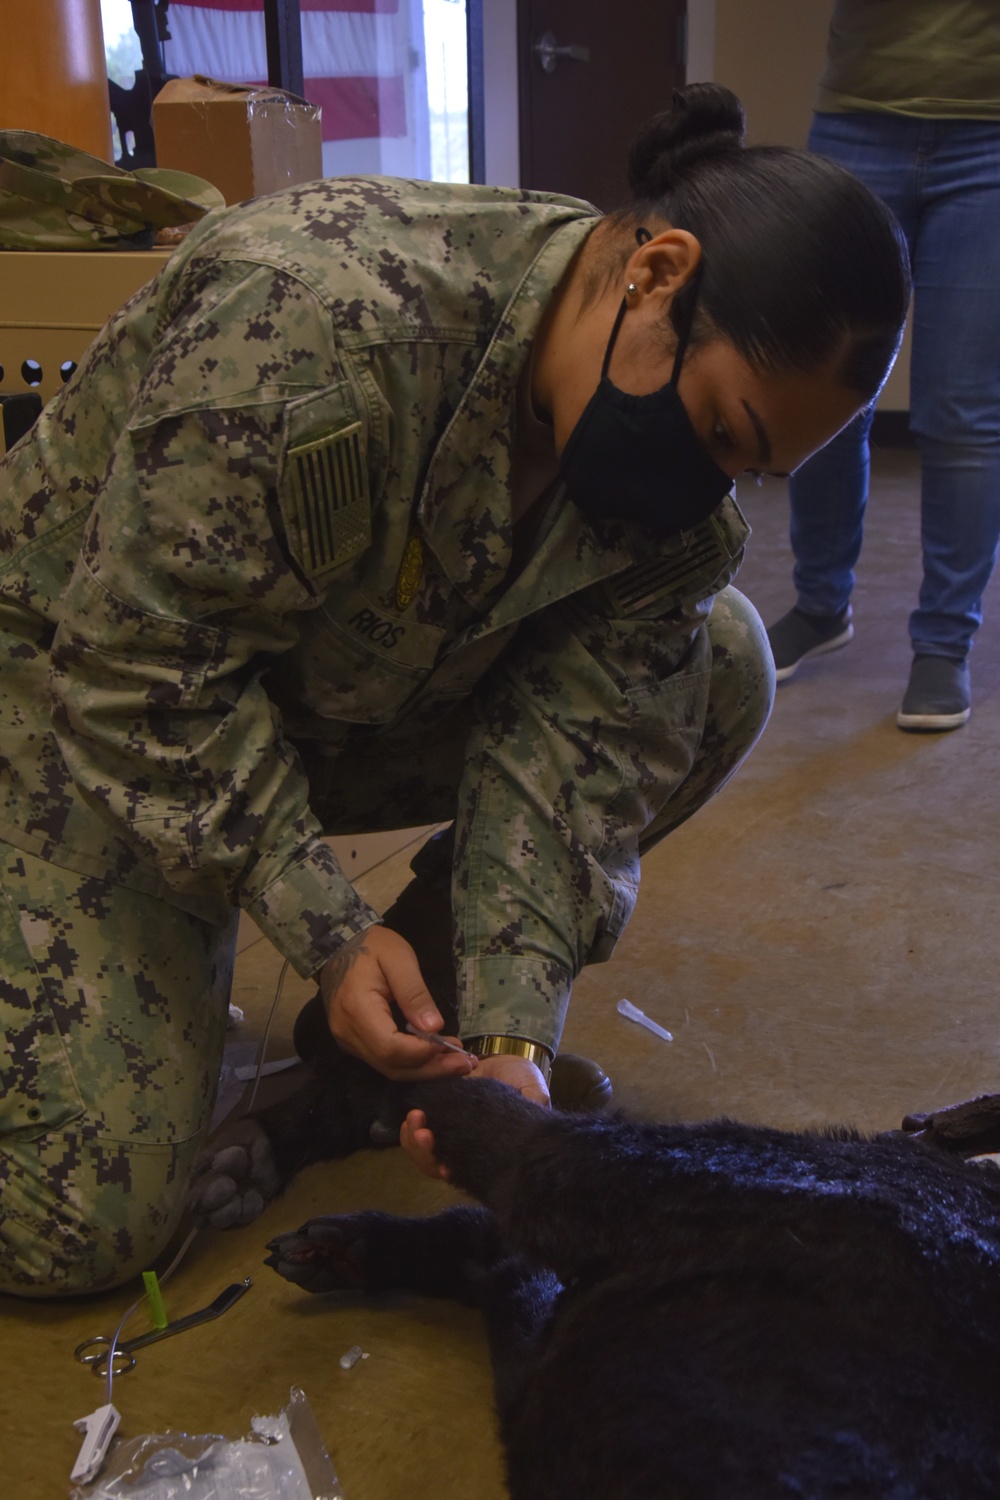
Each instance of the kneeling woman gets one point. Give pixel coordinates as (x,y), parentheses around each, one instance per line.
(387,503)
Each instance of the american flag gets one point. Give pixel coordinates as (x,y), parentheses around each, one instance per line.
(363,66)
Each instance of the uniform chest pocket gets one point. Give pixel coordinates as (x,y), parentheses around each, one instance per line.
(361,669)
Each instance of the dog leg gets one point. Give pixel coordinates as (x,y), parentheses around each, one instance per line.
(523,1161)
(446,1255)
(457,1254)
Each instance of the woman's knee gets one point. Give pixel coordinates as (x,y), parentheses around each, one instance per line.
(742,691)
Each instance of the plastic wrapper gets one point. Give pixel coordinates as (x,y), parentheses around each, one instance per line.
(283,1458)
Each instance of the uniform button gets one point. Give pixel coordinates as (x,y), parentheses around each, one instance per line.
(34,1113)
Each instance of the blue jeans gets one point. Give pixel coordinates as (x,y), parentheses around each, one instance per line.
(942,180)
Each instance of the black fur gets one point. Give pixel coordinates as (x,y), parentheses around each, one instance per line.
(706,1312)
(339,1106)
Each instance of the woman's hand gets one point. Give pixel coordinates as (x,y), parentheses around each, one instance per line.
(417,1140)
(518,1073)
(357,984)
(416,1137)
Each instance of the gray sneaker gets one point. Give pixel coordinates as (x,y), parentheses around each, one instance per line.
(938,695)
(798,636)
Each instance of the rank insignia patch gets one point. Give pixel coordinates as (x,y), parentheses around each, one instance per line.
(330,515)
(411,570)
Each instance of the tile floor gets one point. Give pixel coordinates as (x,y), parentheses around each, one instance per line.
(821,940)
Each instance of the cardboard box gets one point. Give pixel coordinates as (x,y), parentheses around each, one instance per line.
(245,139)
(53,303)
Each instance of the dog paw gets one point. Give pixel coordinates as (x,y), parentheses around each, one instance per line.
(326,1255)
(235,1178)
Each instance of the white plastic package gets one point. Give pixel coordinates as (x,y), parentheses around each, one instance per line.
(283,1458)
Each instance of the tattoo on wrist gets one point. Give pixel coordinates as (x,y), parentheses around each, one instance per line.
(336,969)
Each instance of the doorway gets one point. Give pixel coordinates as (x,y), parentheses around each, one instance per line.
(590,76)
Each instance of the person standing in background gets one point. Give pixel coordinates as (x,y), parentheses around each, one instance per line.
(910,103)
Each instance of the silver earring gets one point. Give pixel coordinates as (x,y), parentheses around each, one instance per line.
(631,289)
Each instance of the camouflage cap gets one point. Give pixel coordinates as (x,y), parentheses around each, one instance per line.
(55,197)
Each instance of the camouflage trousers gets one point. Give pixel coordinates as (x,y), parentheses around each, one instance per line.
(114,1003)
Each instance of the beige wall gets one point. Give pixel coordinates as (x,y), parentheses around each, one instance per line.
(770,53)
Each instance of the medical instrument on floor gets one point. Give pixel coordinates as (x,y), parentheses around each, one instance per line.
(98,1429)
(439,1041)
(100,1426)
(281,1457)
(96,1351)
(349,1360)
(157,1306)
(633,1013)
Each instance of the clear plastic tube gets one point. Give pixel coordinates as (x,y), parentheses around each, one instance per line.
(633,1013)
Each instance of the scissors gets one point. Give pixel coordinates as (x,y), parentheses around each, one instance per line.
(94,1352)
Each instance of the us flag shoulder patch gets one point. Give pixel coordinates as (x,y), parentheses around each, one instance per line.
(646,585)
(330,514)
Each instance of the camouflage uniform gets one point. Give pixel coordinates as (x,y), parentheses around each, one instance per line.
(257,587)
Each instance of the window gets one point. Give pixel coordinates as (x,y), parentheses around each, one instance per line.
(391,76)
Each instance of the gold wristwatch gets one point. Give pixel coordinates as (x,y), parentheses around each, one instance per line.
(512,1046)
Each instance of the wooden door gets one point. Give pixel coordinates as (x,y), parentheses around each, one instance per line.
(591,73)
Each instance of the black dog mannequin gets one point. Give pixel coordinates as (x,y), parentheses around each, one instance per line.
(707,1312)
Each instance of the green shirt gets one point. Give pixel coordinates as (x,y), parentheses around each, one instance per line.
(932,58)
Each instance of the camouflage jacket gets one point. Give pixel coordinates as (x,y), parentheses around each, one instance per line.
(271,513)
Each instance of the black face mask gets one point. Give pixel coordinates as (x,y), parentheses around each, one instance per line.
(638,458)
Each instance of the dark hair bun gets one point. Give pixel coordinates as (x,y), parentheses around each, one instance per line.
(704,120)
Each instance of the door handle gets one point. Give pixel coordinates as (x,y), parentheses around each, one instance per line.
(548,53)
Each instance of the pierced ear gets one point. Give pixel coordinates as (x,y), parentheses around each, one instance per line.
(667,262)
